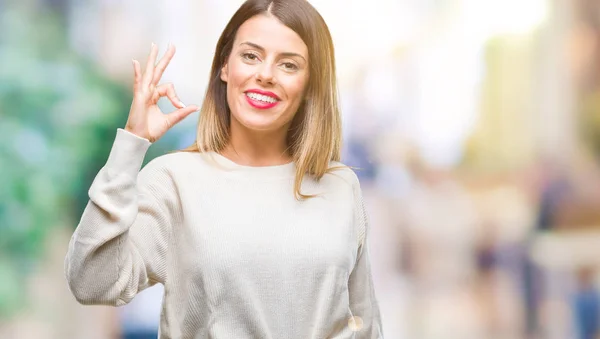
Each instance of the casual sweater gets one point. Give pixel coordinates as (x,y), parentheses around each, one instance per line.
(238,255)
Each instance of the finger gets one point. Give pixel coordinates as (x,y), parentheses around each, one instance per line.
(137,74)
(168,90)
(180,114)
(163,63)
(149,73)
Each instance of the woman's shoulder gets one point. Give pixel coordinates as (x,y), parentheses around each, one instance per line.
(168,159)
(173,162)
(343,172)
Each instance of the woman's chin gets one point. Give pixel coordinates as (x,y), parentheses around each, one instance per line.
(260,123)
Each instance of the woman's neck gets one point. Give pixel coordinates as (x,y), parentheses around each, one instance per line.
(252,148)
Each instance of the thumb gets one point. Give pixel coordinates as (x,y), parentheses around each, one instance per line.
(180,114)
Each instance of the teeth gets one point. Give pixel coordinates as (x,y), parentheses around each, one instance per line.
(261,97)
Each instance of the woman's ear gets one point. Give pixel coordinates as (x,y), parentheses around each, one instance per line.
(224,73)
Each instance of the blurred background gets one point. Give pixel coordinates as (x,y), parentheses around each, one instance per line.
(476,125)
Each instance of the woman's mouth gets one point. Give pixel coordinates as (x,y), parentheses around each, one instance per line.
(261,101)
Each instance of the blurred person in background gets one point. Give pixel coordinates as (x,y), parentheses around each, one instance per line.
(586,304)
(257,229)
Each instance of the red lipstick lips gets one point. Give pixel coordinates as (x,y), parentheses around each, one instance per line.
(260,104)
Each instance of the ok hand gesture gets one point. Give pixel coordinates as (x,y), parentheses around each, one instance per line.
(145,119)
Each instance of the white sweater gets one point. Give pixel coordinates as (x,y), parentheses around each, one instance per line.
(238,255)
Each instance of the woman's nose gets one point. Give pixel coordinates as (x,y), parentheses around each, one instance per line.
(264,74)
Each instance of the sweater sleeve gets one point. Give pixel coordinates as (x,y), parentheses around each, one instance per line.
(363,301)
(120,244)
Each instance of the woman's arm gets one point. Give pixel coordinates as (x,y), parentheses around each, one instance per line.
(119,247)
(363,301)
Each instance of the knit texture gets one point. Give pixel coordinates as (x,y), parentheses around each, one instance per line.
(238,255)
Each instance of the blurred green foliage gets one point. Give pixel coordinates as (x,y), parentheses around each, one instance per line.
(58,119)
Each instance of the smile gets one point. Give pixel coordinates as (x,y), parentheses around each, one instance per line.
(260,97)
(261,100)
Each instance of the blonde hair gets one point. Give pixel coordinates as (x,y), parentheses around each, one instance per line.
(315,134)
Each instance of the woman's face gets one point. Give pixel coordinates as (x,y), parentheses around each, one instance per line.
(266,74)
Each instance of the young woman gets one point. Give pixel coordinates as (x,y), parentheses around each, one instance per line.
(255,231)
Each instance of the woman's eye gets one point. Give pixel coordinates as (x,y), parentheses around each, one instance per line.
(249,56)
(290,66)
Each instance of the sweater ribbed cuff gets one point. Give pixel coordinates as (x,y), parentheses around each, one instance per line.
(127,153)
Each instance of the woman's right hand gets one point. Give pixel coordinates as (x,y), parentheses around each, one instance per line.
(145,119)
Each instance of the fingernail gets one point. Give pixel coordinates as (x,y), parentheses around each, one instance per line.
(182,104)
(152,46)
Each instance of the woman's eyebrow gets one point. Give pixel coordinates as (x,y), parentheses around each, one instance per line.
(262,49)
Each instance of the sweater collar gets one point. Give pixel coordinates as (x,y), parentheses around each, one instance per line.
(267,172)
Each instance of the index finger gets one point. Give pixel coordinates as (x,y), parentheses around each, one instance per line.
(148,74)
(163,63)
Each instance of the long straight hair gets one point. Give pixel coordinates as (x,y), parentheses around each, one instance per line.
(314,137)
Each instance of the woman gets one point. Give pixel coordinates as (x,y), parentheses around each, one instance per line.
(256,231)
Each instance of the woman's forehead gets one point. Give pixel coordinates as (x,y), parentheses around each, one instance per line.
(269,33)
